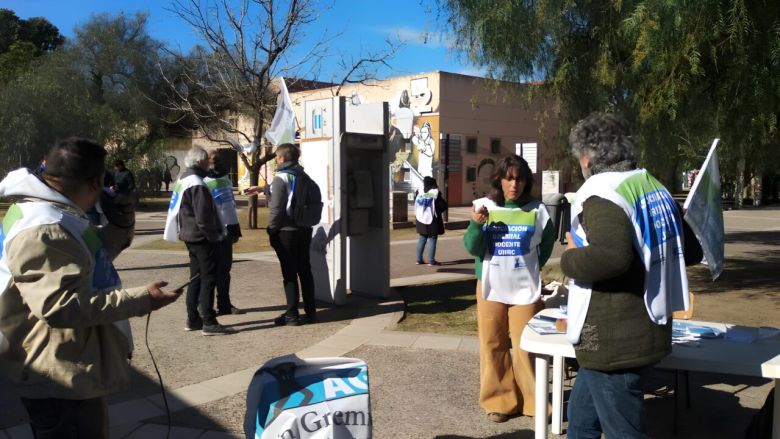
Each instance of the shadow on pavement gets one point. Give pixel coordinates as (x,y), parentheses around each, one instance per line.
(156,267)
(757,274)
(514,435)
(768,237)
(438,298)
(146,232)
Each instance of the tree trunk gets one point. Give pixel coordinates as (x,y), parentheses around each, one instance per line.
(253,181)
(739,184)
(254,171)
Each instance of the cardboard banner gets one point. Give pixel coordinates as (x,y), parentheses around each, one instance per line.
(316,398)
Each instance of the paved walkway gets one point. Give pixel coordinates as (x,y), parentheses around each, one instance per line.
(375,329)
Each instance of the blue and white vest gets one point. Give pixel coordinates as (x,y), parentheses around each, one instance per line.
(222,192)
(658,238)
(510,267)
(171,232)
(31,214)
(425,206)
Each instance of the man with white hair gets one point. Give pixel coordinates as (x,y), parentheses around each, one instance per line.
(626,259)
(193,218)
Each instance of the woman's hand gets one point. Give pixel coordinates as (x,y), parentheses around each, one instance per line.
(479,216)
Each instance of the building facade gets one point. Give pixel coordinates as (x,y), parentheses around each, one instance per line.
(454,128)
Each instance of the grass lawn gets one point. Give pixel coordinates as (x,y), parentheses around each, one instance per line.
(252,240)
(449,308)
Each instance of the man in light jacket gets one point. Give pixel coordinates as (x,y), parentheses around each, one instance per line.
(64,338)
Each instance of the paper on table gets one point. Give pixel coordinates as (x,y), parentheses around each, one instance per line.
(544,326)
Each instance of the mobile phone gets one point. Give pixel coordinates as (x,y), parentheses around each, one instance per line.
(184,285)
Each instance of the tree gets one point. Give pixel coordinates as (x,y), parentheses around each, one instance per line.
(682,72)
(102,85)
(120,61)
(246,45)
(21,41)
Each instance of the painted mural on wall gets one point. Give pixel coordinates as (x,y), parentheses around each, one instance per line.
(414,141)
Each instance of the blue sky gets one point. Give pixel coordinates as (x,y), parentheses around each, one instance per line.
(364,26)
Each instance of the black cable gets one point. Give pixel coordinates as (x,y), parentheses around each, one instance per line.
(159,377)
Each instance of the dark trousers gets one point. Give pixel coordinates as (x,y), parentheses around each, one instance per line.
(224,264)
(292,249)
(200,293)
(609,403)
(53,418)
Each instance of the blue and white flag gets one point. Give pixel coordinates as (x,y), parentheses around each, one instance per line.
(704,211)
(282,129)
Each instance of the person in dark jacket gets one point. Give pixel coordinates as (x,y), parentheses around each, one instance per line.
(619,324)
(290,241)
(201,229)
(221,187)
(428,208)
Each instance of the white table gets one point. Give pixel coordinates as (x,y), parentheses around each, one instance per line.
(758,359)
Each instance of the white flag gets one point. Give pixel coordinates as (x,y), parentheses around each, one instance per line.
(705,213)
(282,129)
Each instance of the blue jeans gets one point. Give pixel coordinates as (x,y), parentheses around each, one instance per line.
(611,403)
(431,247)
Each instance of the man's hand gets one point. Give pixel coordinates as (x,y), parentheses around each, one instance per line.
(160,298)
(479,216)
(570,242)
(253,190)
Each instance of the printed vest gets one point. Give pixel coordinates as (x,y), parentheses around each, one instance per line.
(510,268)
(171,232)
(27,215)
(657,238)
(425,206)
(222,191)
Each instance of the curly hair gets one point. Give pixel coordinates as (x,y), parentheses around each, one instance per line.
(605,138)
(502,169)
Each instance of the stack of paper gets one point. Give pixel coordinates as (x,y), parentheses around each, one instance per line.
(544,325)
(689,334)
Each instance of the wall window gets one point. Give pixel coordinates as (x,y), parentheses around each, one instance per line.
(471,145)
(495,146)
(407,175)
(471,173)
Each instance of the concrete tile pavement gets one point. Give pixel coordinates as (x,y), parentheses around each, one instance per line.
(130,418)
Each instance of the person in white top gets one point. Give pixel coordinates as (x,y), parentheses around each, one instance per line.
(511,237)
(429,206)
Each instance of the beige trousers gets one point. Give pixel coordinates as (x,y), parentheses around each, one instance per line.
(506,381)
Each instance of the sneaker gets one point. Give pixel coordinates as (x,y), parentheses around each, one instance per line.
(217,329)
(309,319)
(420,262)
(232,310)
(433,262)
(193,326)
(285,320)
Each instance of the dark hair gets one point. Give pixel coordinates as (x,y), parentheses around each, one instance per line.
(76,161)
(605,137)
(289,152)
(119,162)
(429,183)
(501,170)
